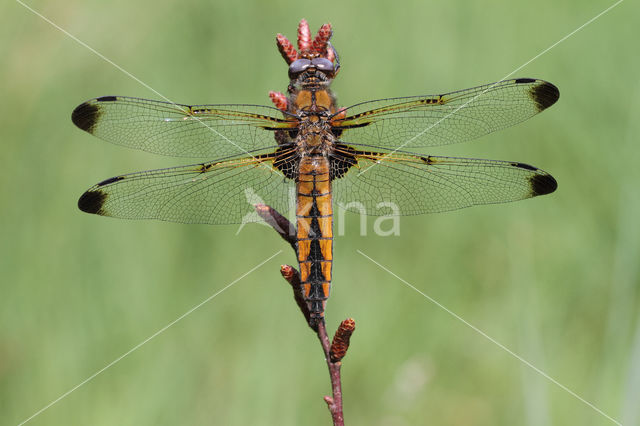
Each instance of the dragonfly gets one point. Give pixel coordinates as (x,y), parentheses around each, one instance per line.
(307,147)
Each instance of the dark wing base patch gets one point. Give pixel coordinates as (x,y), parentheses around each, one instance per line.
(342,159)
(287,161)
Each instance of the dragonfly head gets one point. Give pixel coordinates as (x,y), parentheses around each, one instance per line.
(315,58)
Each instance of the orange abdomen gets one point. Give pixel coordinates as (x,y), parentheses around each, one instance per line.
(314,217)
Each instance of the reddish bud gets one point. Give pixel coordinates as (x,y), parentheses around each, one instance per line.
(286,49)
(340,342)
(290,274)
(279,100)
(321,40)
(304,36)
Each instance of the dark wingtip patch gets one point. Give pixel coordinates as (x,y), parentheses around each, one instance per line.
(85,116)
(544,95)
(542,184)
(92,201)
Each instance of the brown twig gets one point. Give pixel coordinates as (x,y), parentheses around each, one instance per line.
(292,276)
(333,403)
(279,223)
(333,352)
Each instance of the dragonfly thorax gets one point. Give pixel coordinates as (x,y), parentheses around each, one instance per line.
(314,134)
(314,107)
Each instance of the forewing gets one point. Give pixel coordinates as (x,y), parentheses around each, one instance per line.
(431,120)
(222,192)
(205,131)
(405,184)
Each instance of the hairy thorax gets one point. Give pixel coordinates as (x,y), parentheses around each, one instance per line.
(314,103)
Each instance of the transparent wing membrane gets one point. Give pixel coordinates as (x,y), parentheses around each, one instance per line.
(205,131)
(431,120)
(214,193)
(409,184)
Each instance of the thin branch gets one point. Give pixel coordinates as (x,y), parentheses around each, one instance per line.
(279,223)
(333,352)
(333,403)
(292,276)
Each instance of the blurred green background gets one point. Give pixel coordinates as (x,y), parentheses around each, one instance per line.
(554,279)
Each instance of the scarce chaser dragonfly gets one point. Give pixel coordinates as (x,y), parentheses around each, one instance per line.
(308,146)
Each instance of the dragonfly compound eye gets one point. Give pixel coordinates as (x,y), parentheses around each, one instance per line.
(298,66)
(323,64)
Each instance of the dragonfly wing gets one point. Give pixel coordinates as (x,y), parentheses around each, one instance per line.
(406,184)
(431,120)
(222,192)
(209,131)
